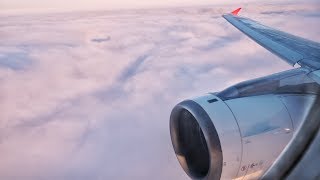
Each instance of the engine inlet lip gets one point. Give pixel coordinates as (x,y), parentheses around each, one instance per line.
(210,135)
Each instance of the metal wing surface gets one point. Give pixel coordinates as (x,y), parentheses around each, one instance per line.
(290,48)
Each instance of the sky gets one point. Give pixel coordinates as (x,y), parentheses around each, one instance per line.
(34,6)
(88,95)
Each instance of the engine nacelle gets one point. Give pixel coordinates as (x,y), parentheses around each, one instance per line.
(235,134)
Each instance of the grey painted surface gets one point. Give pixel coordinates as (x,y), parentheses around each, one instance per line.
(290,48)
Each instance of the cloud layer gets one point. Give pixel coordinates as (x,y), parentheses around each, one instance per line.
(88,95)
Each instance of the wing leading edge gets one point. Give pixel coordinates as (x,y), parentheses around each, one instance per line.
(288,47)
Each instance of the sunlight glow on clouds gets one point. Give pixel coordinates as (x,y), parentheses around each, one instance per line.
(88,95)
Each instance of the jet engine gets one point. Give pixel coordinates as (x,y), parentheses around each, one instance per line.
(240,131)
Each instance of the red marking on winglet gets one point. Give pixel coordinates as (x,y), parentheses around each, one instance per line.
(235,12)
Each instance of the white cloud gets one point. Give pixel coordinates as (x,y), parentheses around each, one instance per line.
(88,95)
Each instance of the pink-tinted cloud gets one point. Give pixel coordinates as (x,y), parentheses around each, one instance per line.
(88,95)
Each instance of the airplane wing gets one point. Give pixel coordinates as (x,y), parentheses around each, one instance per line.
(306,53)
(290,48)
(224,135)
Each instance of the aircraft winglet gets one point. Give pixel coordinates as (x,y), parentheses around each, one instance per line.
(235,12)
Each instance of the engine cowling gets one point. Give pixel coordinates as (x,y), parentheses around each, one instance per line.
(215,137)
